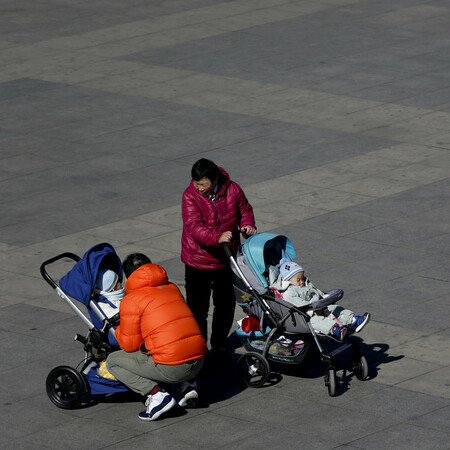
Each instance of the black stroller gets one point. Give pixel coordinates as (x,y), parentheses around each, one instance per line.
(67,386)
(283,332)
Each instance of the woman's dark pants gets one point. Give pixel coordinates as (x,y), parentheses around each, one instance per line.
(199,285)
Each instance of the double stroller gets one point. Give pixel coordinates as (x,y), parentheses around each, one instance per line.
(67,386)
(281,332)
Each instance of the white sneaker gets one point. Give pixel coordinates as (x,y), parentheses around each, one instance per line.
(157,405)
(189,395)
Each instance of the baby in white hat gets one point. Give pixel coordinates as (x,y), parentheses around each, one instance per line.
(294,287)
(110,290)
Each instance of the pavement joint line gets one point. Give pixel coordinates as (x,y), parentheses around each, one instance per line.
(363,118)
(367,115)
(306,177)
(192,18)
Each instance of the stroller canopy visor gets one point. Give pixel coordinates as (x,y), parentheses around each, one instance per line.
(79,282)
(264,249)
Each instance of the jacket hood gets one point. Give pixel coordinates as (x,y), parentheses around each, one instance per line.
(147,275)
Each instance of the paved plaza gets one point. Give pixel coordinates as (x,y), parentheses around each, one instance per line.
(333,115)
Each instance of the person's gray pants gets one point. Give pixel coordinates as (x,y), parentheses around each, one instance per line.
(141,374)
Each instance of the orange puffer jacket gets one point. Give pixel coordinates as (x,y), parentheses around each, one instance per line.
(155,319)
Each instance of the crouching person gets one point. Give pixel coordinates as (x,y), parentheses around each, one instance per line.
(160,340)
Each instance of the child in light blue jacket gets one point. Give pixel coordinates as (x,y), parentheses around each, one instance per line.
(295,288)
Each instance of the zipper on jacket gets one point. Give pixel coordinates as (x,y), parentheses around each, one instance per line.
(213,199)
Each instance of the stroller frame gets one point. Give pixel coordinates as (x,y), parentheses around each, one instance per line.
(66,387)
(254,366)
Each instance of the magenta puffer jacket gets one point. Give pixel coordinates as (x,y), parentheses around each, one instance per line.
(204,220)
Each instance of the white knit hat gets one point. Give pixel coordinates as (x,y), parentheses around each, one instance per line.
(289,268)
(106,281)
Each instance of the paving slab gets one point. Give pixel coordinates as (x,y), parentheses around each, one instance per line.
(333,115)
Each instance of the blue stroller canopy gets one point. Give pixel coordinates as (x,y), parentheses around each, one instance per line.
(79,282)
(261,247)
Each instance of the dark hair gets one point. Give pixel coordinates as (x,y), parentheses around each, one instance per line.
(133,262)
(204,168)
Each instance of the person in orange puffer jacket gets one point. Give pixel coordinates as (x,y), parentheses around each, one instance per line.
(160,339)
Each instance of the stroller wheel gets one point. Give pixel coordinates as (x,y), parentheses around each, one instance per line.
(253,369)
(331,382)
(66,387)
(361,368)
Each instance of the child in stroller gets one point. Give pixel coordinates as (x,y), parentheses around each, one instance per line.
(109,288)
(288,280)
(275,322)
(95,282)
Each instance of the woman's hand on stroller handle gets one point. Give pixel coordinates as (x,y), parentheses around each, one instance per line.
(226,236)
(247,231)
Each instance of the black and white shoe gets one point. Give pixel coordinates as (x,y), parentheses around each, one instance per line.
(157,404)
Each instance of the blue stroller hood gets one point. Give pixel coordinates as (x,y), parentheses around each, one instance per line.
(264,249)
(79,282)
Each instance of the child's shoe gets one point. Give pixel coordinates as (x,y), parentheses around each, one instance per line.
(359,322)
(157,404)
(339,332)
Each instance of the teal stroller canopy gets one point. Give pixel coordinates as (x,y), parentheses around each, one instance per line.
(264,249)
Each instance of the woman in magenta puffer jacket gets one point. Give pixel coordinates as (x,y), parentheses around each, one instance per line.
(213,207)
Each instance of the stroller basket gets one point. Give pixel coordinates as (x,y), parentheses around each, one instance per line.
(284,349)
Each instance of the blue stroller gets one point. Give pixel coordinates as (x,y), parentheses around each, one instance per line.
(66,386)
(281,332)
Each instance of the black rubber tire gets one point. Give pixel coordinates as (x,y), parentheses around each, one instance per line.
(254,369)
(361,368)
(331,382)
(66,387)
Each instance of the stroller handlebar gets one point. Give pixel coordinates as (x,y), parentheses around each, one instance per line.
(226,249)
(44,273)
(236,234)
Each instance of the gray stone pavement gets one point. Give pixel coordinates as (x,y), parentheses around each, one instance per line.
(334,115)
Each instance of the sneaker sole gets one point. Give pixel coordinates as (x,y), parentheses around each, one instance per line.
(361,326)
(169,406)
(189,400)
